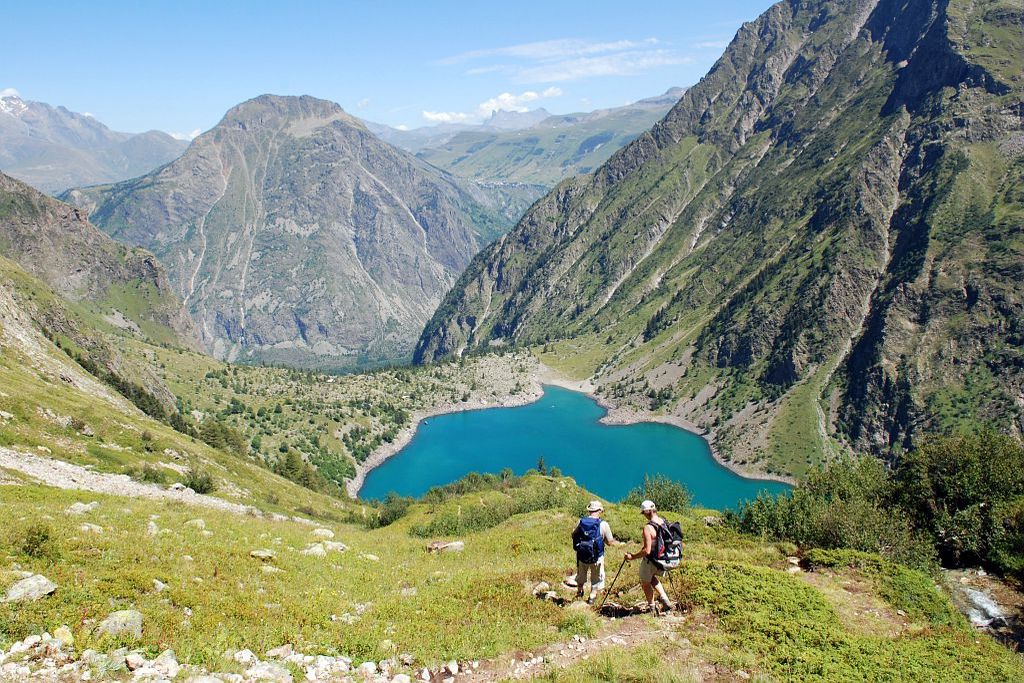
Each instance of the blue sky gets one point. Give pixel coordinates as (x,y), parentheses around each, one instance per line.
(178,66)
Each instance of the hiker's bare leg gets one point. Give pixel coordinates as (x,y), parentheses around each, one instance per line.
(661,592)
(648,592)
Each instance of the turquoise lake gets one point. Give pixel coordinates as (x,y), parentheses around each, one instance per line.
(563,427)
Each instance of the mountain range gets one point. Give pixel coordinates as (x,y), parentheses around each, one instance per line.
(534,147)
(294,235)
(818,248)
(53,149)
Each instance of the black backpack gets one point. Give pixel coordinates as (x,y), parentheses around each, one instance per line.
(587,540)
(667,549)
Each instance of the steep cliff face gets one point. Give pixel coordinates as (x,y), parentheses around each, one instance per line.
(294,235)
(820,243)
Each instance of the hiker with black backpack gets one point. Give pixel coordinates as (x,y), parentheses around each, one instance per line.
(661,552)
(588,540)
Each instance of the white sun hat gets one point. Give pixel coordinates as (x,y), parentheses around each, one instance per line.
(594,506)
(647,506)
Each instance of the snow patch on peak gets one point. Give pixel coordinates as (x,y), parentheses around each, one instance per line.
(11,102)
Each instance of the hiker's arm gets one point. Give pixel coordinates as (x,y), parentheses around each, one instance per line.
(646,549)
(609,538)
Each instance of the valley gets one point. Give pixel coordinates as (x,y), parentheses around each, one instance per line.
(313,398)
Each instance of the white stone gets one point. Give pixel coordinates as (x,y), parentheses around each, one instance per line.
(91,529)
(152,529)
(128,622)
(367,669)
(315,550)
(167,664)
(196,524)
(325,534)
(82,508)
(32,588)
(64,635)
(246,657)
(262,554)
(159,586)
(269,671)
(134,660)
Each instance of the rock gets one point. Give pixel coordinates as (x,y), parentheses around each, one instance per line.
(159,586)
(134,661)
(203,679)
(401,678)
(263,555)
(712,520)
(425,675)
(64,635)
(269,671)
(408,593)
(281,652)
(87,431)
(315,550)
(271,569)
(367,669)
(91,529)
(325,534)
(167,664)
(446,547)
(32,588)
(452,667)
(81,508)
(368,556)
(793,560)
(122,622)
(743,674)
(334,546)
(5,415)
(196,524)
(541,588)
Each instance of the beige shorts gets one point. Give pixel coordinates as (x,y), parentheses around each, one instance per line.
(593,572)
(648,571)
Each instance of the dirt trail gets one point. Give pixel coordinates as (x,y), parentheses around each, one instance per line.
(628,632)
(65,475)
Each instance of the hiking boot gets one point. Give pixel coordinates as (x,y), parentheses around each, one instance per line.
(591,600)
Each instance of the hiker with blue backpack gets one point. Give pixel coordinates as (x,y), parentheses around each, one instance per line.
(589,539)
(661,552)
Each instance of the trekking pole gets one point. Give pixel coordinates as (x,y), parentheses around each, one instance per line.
(611,585)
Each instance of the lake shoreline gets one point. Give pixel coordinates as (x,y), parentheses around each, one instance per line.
(540,376)
(619,415)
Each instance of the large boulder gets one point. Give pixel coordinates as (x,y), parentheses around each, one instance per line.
(446,547)
(32,588)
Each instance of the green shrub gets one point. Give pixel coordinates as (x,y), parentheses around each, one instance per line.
(966,491)
(667,495)
(578,624)
(36,540)
(392,509)
(846,505)
(150,473)
(200,481)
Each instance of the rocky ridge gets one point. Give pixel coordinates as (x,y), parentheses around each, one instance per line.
(819,244)
(53,149)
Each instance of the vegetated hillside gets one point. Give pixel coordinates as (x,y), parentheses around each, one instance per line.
(55,242)
(296,236)
(820,244)
(550,150)
(53,149)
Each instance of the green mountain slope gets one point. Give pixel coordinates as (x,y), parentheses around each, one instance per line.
(296,236)
(553,149)
(820,244)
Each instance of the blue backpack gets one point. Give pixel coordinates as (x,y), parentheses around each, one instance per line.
(587,540)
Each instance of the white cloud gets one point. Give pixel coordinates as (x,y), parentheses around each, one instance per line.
(89,114)
(401,126)
(186,136)
(9,92)
(505,101)
(570,59)
(445,116)
(363,103)
(713,44)
(550,49)
(620,64)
